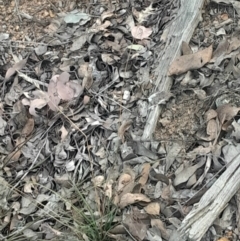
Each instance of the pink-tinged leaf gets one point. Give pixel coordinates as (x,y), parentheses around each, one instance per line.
(86,99)
(16,67)
(25,101)
(77,88)
(37,103)
(64,133)
(140,32)
(64,91)
(54,99)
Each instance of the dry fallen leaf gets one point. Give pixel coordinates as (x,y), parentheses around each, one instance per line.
(86,99)
(54,99)
(123,128)
(160,225)
(64,91)
(136,227)
(188,62)
(123,180)
(144,174)
(64,133)
(212,129)
(28,128)
(130,198)
(210,114)
(16,67)
(36,104)
(186,48)
(226,112)
(234,44)
(153,208)
(140,32)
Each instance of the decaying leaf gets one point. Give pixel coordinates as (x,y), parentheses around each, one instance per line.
(64,133)
(130,198)
(123,128)
(153,208)
(28,128)
(188,62)
(212,129)
(137,228)
(123,180)
(144,174)
(226,113)
(160,225)
(140,32)
(210,114)
(186,173)
(36,104)
(16,67)
(3,124)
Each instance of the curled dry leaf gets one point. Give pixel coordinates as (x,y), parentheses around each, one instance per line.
(186,173)
(28,128)
(3,124)
(153,208)
(16,67)
(188,62)
(61,88)
(64,133)
(86,99)
(123,128)
(107,187)
(210,114)
(160,225)
(54,99)
(64,91)
(140,32)
(144,174)
(36,104)
(77,89)
(130,198)
(212,129)
(226,112)
(123,180)
(98,181)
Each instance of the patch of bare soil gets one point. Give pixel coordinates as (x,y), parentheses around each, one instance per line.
(182,118)
(25,20)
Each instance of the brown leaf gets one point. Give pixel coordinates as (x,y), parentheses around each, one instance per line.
(140,32)
(130,198)
(123,128)
(212,129)
(152,208)
(226,113)
(186,49)
(234,44)
(160,225)
(144,174)
(28,128)
(137,228)
(210,114)
(220,50)
(19,143)
(185,63)
(16,67)
(123,180)
(86,99)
